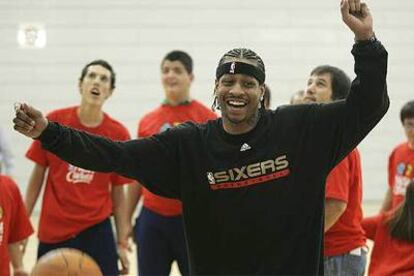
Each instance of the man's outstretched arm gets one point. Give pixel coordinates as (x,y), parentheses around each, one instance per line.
(149,160)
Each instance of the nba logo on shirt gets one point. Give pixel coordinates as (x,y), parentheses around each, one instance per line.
(232,67)
(210,178)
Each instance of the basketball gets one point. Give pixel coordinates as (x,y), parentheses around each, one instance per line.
(66,261)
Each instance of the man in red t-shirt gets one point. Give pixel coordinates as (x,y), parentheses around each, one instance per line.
(14,227)
(401,162)
(344,252)
(77,203)
(159,228)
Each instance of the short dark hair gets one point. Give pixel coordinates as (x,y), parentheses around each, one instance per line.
(407,111)
(182,57)
(401,222)
(341,84)
(102,63)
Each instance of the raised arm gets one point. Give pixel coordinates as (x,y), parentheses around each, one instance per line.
(368,91)
(341,125)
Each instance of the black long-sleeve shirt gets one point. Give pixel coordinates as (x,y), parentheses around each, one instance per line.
(252,203)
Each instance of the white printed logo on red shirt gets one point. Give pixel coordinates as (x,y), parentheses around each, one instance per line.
(401,183)
(402,178)
(79,175)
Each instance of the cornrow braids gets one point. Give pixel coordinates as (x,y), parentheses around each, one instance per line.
(243,53)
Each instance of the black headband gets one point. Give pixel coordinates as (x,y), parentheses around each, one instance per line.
(236,67)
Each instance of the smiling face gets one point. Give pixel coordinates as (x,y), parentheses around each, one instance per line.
(95,87)
(319,89)
(238,97)
(176,81)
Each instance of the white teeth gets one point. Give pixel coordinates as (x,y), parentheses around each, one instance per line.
(237,103)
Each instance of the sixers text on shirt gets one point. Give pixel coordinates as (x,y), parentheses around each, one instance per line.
(251,174)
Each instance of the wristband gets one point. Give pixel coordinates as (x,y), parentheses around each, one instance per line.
(372,39)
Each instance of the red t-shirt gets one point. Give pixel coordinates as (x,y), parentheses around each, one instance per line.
(345,183)
(400,172)
(14,222)
(74,198)
(157,121)
(389,256)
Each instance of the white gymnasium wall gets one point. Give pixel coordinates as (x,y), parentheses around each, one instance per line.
(291,36)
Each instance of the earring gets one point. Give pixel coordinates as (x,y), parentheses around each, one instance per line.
(216,103)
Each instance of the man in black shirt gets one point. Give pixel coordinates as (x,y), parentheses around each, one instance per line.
(252,183)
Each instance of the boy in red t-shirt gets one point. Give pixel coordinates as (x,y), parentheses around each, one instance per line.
(14,227)
(344,239)
(401,162)
(157,249)
(77,203)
